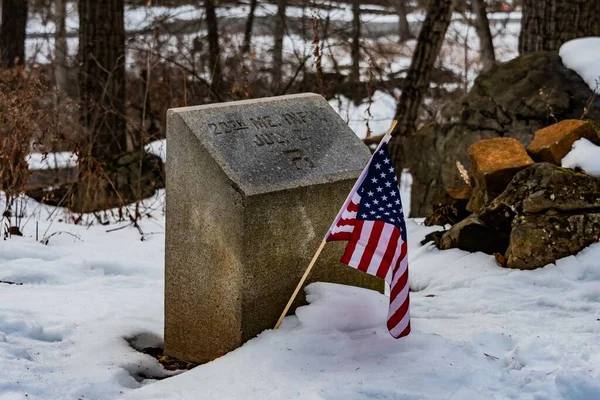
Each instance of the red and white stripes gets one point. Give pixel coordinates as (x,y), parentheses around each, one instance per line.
(377,248)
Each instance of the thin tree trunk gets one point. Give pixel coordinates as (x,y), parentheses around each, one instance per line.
(416,84)
(213,44)
(355,47)
(102,76)
(61,70)
(403,26)
(418,78)
(547,24)
(13,32)
(482,25)
(278,44)
(249,26)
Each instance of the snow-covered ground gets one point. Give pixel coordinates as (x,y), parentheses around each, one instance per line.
(373,115)
(479,330)
(62,332)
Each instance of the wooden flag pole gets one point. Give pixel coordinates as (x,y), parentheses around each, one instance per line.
(306,273)
(323,243)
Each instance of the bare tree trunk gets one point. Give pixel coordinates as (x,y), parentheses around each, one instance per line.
(61,69)
(213,44)
(355,46)
(13,32)
(418,78)
(547,24)
(431,38)
(482,25)
(278,44)
(249,26)
(102,76)
(403,26)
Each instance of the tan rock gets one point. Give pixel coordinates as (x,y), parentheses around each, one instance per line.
(494,162)
(552,143)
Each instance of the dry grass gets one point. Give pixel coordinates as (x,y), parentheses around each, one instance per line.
(31,119)
(19,127)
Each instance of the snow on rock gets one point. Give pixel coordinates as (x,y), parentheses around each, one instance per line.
(583,56)
(584,155)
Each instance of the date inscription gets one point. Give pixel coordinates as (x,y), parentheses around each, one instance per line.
(281,133)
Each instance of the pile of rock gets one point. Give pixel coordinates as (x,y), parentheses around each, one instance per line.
(523,206)
(513,99)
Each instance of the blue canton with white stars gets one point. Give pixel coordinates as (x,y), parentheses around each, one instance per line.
(379,192)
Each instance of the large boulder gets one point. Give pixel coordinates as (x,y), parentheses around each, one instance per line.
(514,100)
(543,188)
(13,170)
(126,179)
(538,240)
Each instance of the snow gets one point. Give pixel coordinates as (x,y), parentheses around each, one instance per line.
(62,333)
(406,181)
(51,160)
(539,344)
(584,155)
(583,56)
(158,148)
(373,117)
(479,330)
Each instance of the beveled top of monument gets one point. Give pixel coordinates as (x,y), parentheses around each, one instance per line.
(276,143)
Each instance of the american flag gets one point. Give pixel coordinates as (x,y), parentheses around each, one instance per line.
(372,222)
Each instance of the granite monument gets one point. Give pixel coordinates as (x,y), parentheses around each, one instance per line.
(252,187)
